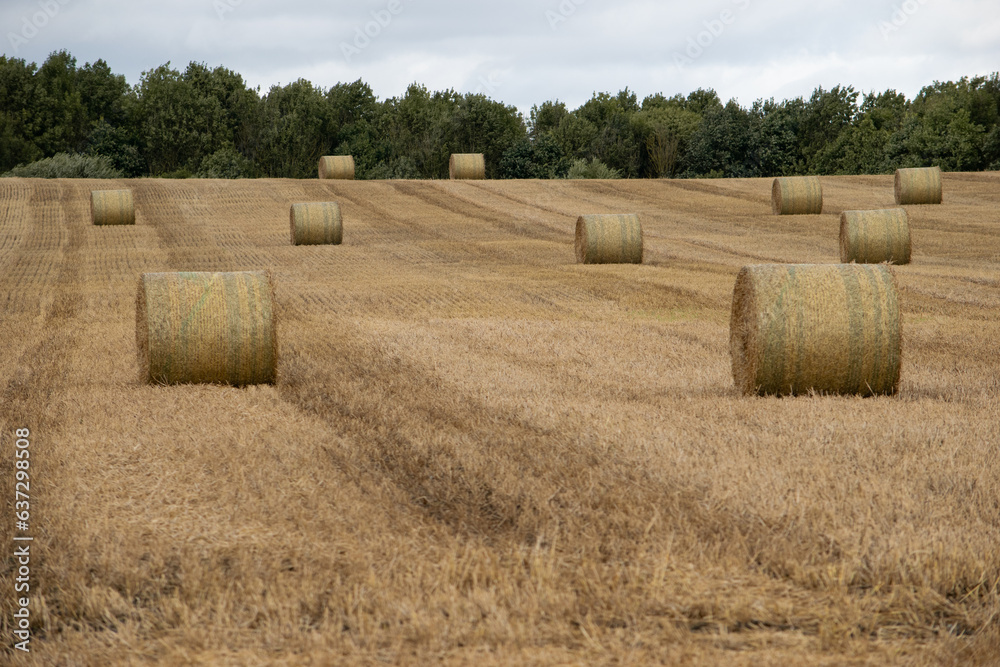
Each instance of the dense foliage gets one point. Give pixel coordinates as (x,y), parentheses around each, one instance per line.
(208,122)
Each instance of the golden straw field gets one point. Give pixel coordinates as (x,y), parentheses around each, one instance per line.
(478,451)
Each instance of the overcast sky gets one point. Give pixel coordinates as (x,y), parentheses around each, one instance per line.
(525,52)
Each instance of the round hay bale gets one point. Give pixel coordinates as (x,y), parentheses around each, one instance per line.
(797,195)
(828,328)
(918,186)
(609,239)
(316,223)
(337,166)
(467,166)
(206,327)
(112,207)
(871,237)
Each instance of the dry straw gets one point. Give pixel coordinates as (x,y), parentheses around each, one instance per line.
(870,237)
(337,166)
(918,186)
(609,239)
(112,207)
(316,223)
(828,328)
(797,195)
(467,166)
(206,327)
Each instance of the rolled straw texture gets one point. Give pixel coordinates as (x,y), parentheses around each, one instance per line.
(918,186)
(797,195)
(467,166)
(112,207)
(828,328)
(206,327)
(871,237)
(337,166)
(609,239)
(316,223)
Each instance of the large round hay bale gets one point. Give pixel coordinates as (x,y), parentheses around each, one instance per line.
(797,195)
(871,237)
(337,166)
(609,239)
(112,207)
(206,327)
(828,328)
(467,166)
(918,186)
(316,223)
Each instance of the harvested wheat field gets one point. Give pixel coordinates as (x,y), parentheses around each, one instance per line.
(477,451)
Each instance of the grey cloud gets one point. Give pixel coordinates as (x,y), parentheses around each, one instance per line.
(524,52)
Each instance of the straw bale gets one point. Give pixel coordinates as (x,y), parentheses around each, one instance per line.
(609,239)
(828,328)
(918,186)
(870,237)
(206,328)
(467,166)
(337,167)
(316,223)
(112,207)
(797,195)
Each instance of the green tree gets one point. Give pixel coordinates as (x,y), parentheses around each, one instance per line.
(105,95)
(722,145)
(295,130)
(775,137)
(17,92)
(615,142)
(575,135)
(183,118)
(545,119)
(481,125)
(538,158)
(862,148)
(663,132)
(941,128)
(58,121)
(355,120)
(417,125)
(824,117)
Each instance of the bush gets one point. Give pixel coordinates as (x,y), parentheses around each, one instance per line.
(542,158)
(68,165)
(225,163)
(593,169)
(401,167)
(183,172)
(114,144)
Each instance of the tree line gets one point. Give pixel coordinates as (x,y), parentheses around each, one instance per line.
(204,122)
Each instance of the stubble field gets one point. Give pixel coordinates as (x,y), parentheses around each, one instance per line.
(480,452)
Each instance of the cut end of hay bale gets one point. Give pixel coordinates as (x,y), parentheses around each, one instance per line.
(340,167)
(918,186)
(316,223)
(803,328)
(467,166)
(871,237)
(206,328)
(798,195)
(112,207)
(609,239)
